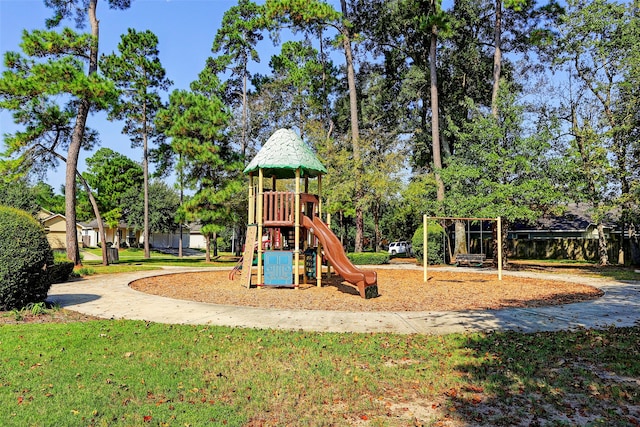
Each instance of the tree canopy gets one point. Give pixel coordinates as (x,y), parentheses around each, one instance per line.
(466,108)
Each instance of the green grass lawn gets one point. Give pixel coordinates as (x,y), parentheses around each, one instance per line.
(132,259)
(586,268)
(132,373)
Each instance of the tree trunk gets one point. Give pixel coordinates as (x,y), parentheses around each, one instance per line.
(602,245)
(96,211)
(505,244)
(73,251)
(497,58)
(376,228)
(435,119)
(325,99)
(215,244)
(181,201)
(94,204)
(355,131)
(342,228)
(207,246)
(180,243)
(243,144)
(145,171)
(461,238)
(634,245)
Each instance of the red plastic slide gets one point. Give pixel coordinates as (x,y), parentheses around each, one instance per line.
(366,281)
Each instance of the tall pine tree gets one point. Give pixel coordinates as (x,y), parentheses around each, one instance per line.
(140,76)
(208,165)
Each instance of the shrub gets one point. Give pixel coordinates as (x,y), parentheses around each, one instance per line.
(84,271)
(434,254)
(61,270)
(369,258)
(25,256)
(60,255)
(224,245)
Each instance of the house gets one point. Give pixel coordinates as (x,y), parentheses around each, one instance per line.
(576,222)
(55,226)
(170,240)
(114,235)
(572,235)
(123,234)
(196,238)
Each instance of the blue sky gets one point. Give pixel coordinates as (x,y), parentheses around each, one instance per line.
(185,30)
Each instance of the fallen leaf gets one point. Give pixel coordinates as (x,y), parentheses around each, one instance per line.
(474,388)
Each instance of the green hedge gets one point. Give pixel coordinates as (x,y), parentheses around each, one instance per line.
(369,258)
(435,233)
(60,271)
(25,259)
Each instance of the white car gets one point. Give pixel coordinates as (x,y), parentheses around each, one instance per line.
(396,248)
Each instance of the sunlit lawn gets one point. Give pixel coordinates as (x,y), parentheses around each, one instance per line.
(131,373)
(132,259)
(586,268)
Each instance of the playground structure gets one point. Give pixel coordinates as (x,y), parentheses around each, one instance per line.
(283,225)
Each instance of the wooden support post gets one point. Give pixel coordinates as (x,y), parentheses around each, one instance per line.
(296,252)
(328,262)
(319,250)
(260,223)
(320,196)
(252,202)
(425,251)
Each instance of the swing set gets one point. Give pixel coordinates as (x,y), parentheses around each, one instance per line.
(464,259)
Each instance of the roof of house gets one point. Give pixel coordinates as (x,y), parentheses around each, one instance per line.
(94,224)
(576,217)
(284,153)
(45,216)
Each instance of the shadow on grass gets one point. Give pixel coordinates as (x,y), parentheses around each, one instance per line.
(586,377)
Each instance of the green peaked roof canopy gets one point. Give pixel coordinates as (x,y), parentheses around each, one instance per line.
(282,154)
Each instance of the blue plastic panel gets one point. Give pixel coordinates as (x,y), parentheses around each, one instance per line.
(278,268)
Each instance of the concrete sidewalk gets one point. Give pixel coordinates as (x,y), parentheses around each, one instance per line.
(109,296)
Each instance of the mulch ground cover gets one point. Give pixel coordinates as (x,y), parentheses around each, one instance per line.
(399,289)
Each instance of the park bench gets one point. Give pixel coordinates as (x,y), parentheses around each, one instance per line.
(470,260)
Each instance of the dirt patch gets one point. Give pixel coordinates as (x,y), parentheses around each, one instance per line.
(50,316)
(400,290)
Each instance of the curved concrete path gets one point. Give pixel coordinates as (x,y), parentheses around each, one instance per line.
(109,296)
